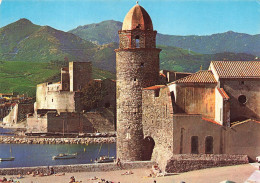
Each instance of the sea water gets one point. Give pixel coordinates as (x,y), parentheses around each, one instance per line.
(27,155)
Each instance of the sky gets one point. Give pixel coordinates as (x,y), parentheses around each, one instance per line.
(174,17)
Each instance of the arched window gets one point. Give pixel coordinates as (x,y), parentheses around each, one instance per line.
(194,145)
(137,45)
(209,145)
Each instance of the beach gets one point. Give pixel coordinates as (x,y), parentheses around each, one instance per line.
(238,174)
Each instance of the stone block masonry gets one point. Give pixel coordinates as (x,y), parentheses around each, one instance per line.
(40,140)
(188,162)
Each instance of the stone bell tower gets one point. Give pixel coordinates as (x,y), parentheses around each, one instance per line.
(137,67)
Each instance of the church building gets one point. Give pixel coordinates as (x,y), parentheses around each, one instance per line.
(212,113)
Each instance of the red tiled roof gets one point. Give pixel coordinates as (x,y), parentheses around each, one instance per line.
(210,120)
(161,74)
(237,69)
(223,93)
(65,69)
(243,122)
(198,77)
(156,87)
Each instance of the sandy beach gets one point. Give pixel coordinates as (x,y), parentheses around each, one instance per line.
(239,173)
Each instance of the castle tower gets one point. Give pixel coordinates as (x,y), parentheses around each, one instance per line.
(137,67)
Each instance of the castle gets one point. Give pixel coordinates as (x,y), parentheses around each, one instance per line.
(214,111)
(59,108)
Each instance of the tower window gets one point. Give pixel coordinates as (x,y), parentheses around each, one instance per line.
(138,26)
(107,105)
(137,44)
(242,99)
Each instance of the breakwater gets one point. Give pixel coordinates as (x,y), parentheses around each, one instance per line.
(77,168)
(56,140)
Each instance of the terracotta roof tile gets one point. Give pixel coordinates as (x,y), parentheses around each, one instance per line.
(163,75)
(237,69)
(156,87)
(223,93)
(210,120)
(198,77)
(243,122)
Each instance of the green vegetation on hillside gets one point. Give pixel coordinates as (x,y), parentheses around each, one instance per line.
(22,77)
(25,41)
(101,33)
(178,59)
(216,43)
(107,32)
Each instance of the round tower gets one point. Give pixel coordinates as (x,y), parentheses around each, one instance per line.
(137,67)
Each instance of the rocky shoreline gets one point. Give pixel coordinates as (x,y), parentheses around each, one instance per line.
(56,140)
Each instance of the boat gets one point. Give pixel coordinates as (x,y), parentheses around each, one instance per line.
(7,159)
(11,158)
(105,159)
(65,156)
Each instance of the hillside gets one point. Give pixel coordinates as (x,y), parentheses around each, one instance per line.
(25,41)
(101,33)
(23,77)
(215,43)
(33,43)
(178,59)
(107,31)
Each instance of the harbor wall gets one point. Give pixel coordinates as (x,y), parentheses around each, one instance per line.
(41,140)
(77,168)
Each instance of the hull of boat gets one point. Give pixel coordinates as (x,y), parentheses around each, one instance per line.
(7,159)
(66,156)
(106,160)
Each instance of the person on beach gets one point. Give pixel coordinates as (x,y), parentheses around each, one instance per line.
(52,171)
(72,179)
(118,163)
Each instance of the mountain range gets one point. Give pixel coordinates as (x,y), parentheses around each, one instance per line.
(107,31)
(25,41)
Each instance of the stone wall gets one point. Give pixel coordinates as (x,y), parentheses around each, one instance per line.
(101,121)
(186,127)
(189,162)
(158,124)
(11,118)
(68,123)
(78,168)
(250,89)
(56,140)
(37,123)
(18,113)
(63,101)
(147,39)
(244,138)
(65,79)
(80,74)
(136,69)
(51,121)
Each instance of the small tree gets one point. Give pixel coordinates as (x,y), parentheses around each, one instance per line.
(92,94)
